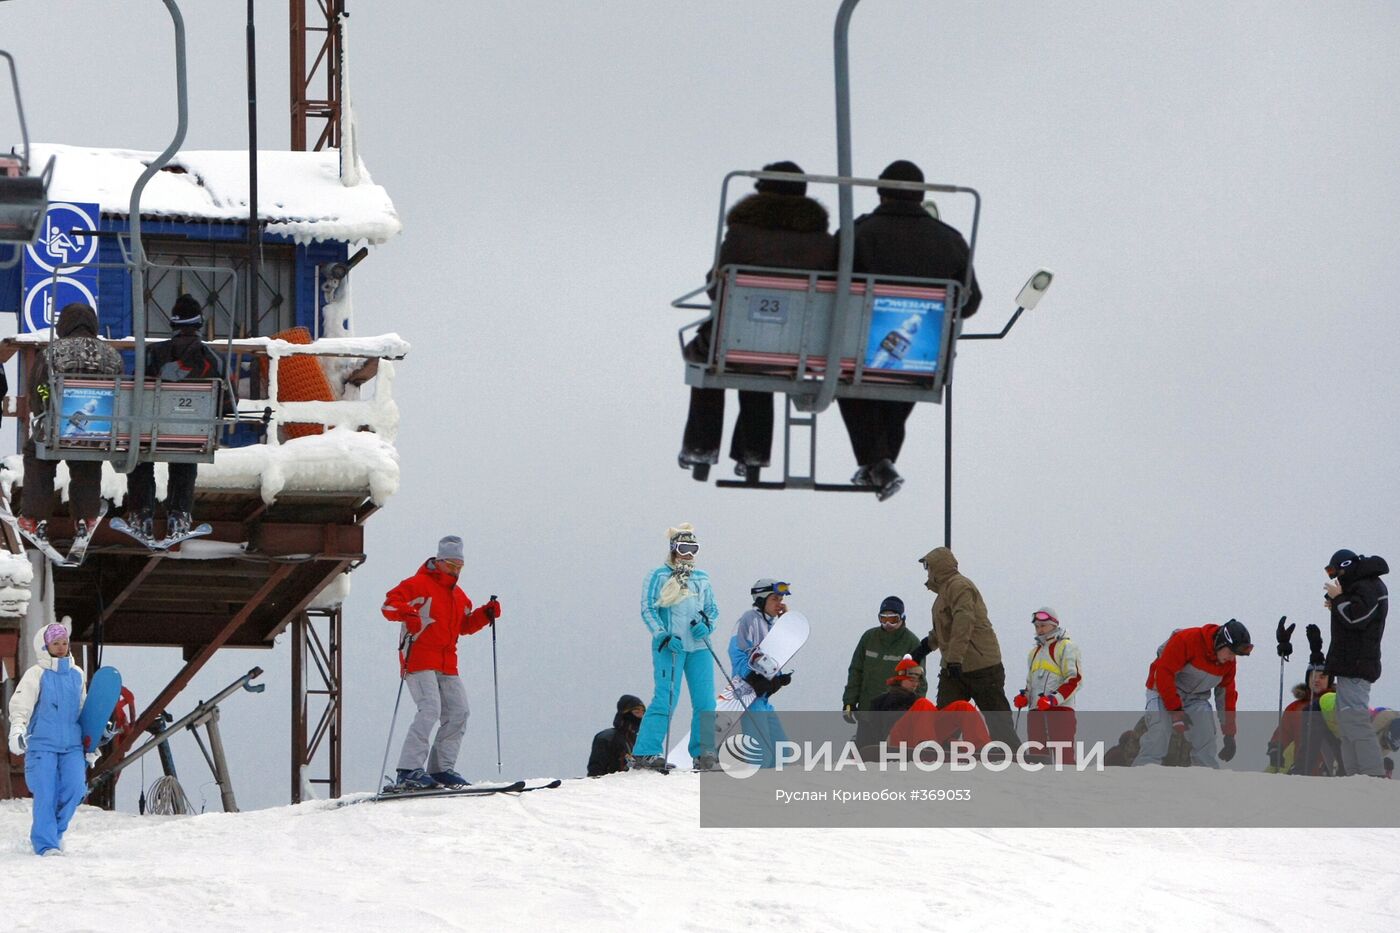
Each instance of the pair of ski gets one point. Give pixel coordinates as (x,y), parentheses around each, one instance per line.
(76,551)
(470,790)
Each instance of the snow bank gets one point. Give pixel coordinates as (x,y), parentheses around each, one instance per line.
(300,194)
(625,852)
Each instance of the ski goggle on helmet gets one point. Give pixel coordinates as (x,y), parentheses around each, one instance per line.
(764,588)
(685,543)
(1042,616)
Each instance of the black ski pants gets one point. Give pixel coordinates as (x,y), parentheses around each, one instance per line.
(753,430)
(986,687)
(84,486)
(876,428)
(179,492)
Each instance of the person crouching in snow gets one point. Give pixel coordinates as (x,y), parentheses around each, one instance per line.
(1191,665)
(44,729)
(1052,682)
(678,608)
(434,613)
(958,720)
(902,690)
(612,747)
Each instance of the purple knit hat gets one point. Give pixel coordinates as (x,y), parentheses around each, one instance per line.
(53,633)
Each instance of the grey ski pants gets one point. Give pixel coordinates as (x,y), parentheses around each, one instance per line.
(1361,750)
(1200,733)
(441,699)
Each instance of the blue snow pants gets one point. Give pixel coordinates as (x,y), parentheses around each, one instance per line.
(58,781)
(762,726)
(667,670)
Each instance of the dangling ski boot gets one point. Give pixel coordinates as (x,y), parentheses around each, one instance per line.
(885,478)
(177,525)
(83,530)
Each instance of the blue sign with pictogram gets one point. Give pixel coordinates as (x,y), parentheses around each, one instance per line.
(54,270)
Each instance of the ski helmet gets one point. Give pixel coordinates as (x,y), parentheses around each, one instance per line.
(1045,614)
(892,604)
(766,587)
(1235,636)
(1340,563)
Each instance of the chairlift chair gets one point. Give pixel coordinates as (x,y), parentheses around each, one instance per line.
(24,198)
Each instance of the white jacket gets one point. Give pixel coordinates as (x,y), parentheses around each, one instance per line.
(1053,667)
(27,693)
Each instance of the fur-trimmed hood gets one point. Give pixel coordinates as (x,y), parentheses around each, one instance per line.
(780,212)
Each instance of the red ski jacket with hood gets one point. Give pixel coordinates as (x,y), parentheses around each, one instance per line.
(1186,664)
(432,647)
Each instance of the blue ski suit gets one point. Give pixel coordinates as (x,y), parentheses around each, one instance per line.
(45,709)
(760,721)
(685,654)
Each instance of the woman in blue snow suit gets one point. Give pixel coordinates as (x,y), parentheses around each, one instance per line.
(44,729)
(760,719)
(679,610)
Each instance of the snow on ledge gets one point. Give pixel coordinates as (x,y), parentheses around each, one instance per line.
(384,346)
(300,194)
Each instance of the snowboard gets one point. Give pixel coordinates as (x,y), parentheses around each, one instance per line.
(160,544)
(103,692)
(781,644)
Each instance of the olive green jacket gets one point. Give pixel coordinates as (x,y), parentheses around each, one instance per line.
(873,663)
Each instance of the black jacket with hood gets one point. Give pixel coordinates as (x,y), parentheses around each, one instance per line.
(901,238)
(1358,620)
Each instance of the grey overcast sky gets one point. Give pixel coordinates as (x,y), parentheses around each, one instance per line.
(1198,414)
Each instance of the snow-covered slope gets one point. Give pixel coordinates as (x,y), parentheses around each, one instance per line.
(626,853)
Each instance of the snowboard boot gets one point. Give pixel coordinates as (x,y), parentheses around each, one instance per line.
(647,762)
(414,779)
(884,478)
(177,524)
(449,778)
(705,763)
(697,462)
(141,523)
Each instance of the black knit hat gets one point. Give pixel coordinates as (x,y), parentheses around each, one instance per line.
(186,313)
(892,604)
(774,186)
(901,170)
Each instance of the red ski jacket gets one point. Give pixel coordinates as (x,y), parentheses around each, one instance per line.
(432,647)
(1186,664)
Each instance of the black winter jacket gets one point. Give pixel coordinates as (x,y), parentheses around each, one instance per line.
(1358,621)
(874,725)
(901,238)
(186,356)
(612,746)
(780,230)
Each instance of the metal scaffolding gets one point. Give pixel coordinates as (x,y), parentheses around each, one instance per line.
(316,683)
(315,45)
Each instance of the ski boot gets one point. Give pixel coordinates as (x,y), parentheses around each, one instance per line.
(886,480)
(861,477)
(747,471)
(647,763)
(414,779)
(177,524)
(34,528)
(450,778)
(705,763)
(697,462)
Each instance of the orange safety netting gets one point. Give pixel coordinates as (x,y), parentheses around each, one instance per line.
(300,379)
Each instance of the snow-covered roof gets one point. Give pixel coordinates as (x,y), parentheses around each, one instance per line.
(300,194)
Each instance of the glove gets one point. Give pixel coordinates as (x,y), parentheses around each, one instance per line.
(954,670)
(1047,701)
(1275,756)
(1227,751)
(1021,701)
(921,651)
(492,610)
(778,683)
(761,685)
(848,714)
(663,641)
(91,758)
(1180,721)
(1315,656)
(425,616)
(1285,638)
(18,743)
(701,627)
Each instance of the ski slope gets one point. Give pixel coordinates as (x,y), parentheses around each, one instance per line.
(626,852)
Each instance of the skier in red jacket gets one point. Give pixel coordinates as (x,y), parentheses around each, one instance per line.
(435,613)
(1191,665)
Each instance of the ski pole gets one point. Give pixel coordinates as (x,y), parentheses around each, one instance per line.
(496,689)
(393,720)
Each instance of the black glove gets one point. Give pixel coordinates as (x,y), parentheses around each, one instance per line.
(921,651)
(954,670)
(762,686)
(1315,656)
(1285,638)
(778,683)
(1227,751)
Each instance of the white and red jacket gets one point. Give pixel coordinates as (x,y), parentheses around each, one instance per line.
(1052,667)
(432,647)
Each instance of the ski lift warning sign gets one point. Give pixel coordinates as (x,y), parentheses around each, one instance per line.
(55,270)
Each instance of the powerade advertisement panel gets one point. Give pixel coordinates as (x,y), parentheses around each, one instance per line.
(86,412)
(905,334)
